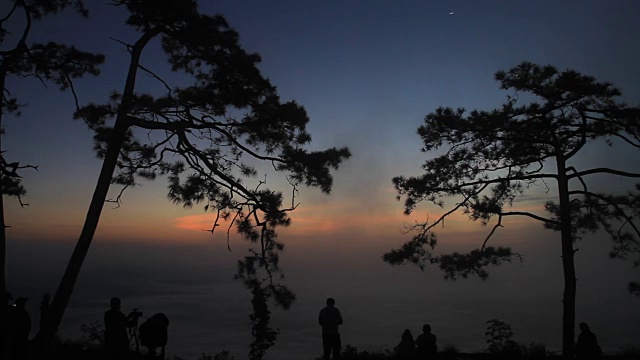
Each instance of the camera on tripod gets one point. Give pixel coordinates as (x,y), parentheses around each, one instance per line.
(134,315)
(132,318)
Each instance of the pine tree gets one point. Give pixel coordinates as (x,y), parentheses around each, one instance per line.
(494,157)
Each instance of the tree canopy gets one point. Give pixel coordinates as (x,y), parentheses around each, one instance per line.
(50,62)
(492,158)
(205,138)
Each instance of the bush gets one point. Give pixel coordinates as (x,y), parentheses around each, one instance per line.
(93,334)
(350,352)
(449,351)
(630,352)
(222,355)
(536,350)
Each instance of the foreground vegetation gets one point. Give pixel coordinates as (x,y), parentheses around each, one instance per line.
(499,339)
(77,350)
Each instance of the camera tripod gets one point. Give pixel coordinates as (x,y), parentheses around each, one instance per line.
(133,332)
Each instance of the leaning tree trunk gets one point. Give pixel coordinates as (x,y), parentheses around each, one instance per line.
(63,294)
(566,238)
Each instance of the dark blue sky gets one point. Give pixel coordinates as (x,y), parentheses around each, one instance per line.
(367,73)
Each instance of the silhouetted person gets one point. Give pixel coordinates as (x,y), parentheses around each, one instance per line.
(45,322)
(587,346)
(116,340)
(407,348)
(19,326)
(426,345)
(330,319)
(154,334)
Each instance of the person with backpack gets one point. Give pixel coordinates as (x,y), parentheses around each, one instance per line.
(154,334)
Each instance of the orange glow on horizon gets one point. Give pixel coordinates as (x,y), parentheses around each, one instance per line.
(371,220)
(345,217)
(197,222)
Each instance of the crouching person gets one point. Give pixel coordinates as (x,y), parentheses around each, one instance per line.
(154,334)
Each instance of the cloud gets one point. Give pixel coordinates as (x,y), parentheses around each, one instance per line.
(197,222)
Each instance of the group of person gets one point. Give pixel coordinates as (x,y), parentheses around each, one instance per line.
(152,333)
(119,330)
(19,326)
(425,346)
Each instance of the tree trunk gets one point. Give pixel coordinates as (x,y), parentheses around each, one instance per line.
(569,298)
(4,299)
(63,294)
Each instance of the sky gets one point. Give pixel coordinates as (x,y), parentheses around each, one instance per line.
(367,73)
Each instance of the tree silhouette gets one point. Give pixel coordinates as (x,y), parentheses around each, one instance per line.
(494,157)
(203,137)
(499,336)
(49,63)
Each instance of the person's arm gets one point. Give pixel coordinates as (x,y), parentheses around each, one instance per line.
(340,322)
(320,319)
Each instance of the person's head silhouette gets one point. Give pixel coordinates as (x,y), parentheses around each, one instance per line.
(115,303)
(406,335)
(426,328)
(331,302)
(584,327)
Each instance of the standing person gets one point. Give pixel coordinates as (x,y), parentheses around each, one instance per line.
(587,347)
(116,340)
(330,319)
(426,345)
(19,326)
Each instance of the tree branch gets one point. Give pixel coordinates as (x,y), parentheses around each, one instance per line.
(426,228)
(15,6)
(584,184)
(496,180)
(153,75)
(528,214)
(246,193)
(583,137)
(22,43)
(497,225)
(603,171)
(615,206)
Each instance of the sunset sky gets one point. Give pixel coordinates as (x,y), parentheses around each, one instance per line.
(367,73)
